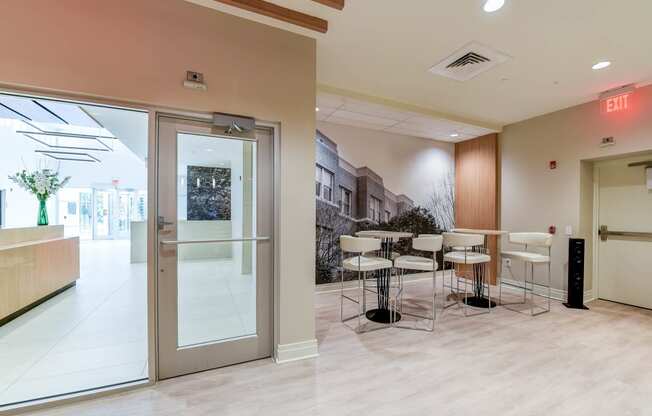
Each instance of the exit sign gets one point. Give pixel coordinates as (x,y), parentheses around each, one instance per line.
(616,103)
(617,100)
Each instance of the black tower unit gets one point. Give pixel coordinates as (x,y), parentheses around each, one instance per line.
(575,274)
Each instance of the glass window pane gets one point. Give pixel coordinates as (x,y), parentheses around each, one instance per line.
(88,265)
(216,281)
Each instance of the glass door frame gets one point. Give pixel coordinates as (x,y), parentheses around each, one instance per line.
(274,147)
(153,111)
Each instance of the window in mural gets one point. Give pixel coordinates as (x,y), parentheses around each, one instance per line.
(324,182)
(374,209)
(345,201)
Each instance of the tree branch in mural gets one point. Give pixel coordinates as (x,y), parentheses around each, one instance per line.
(330,226)
(441,202)
(417,221)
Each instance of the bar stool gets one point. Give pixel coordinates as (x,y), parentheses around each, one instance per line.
(465,249)
(431,244)
(362,264)
(531,258)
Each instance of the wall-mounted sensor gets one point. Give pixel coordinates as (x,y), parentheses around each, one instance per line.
(607,141)
(194,80)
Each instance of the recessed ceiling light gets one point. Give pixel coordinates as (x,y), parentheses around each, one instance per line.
(316,108)
(491,6)
(455,135)
(601,65)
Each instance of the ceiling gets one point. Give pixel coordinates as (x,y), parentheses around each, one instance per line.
(67,131)
(383,49)
(349,111)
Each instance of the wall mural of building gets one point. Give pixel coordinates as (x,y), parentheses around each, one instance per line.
(350,198)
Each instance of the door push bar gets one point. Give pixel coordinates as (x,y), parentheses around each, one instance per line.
(224,240)
(604,233)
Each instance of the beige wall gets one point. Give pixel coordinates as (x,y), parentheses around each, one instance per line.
(138,51)
(534,197)
(408,165)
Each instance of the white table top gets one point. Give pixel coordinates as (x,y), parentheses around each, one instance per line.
(474,231)
(394,235)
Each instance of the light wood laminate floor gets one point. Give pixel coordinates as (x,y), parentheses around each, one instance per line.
(567,362)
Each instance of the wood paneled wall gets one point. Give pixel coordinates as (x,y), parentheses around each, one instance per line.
(476,189)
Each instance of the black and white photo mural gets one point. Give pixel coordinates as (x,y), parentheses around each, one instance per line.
(209,193)
(409,188)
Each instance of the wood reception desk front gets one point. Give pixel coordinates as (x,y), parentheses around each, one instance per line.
(36,263)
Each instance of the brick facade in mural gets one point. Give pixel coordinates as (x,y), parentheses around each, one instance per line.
(363,184)
(348,197)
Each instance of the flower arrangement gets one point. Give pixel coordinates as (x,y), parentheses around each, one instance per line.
(43,183)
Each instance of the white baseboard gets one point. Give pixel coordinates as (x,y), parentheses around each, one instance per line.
(286,353)
(557,294)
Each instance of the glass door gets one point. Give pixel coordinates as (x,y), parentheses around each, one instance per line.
(102,214)
(215,226)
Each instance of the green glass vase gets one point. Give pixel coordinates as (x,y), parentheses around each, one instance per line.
(42,212)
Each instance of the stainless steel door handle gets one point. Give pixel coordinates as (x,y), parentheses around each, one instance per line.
(604,233)
(222,240)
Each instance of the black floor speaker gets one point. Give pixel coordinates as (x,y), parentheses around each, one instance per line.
(576,249)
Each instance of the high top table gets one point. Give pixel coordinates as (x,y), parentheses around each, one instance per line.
(479,277)
(383,277)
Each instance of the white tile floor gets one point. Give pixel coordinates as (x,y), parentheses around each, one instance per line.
(95,334)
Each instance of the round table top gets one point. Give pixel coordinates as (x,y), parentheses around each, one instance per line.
(394,235)
(474,231)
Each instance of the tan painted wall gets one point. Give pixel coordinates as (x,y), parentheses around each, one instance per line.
(408,165)
(138,51)
(534,197)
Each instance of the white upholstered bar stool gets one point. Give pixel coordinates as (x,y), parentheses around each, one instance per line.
(362,264)
(542,242)
(465,249)
(431,244)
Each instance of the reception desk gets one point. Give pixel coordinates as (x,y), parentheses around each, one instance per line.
(36,263)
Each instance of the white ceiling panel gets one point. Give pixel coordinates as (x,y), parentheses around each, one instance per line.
(329,100)
(376,110)
(355,123)
(29,109)
(70,112)
(364,118)
(358,113)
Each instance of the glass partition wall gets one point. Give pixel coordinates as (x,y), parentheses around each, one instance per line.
(73,247)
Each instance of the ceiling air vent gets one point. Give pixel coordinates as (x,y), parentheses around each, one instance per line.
(468,62)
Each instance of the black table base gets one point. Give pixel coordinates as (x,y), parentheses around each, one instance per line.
(479,302)
(382,316)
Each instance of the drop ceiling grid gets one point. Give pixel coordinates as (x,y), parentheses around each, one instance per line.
(343,110)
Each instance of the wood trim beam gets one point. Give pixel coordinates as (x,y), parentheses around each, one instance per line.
(336,4)
(284,14)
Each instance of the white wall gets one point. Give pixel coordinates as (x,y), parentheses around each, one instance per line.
(408,165)
(534,197)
